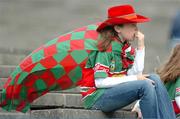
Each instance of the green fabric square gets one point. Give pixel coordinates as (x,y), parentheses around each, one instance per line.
(9,106)
(63,46)
(59,56)
(54,87)
(22,77)
(23,92)
(75,54)
(91,27)
(26,108)
(15,72)
(37,56)
(75,75)
(90,44)
(58,71)
(51,42)
(100,74)
(40,85)
(15,102)
(3,95)
(77,35)
(38,67)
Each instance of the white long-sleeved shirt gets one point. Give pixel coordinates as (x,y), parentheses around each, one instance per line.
(137,68)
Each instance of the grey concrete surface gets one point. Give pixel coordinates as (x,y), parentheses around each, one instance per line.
(81,114)
(6,70)
(69,114)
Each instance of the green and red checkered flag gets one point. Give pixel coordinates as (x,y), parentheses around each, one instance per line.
(56,65)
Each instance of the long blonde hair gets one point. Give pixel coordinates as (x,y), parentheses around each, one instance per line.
(106,36)
(171,69)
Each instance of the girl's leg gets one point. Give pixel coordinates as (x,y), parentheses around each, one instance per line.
(165,106)
(123,94)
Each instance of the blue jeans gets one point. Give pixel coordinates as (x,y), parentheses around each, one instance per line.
(154,99)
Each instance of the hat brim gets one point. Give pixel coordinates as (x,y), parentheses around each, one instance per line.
(115,21)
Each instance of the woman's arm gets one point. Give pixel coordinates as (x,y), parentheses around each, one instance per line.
(138,65)
(112,81)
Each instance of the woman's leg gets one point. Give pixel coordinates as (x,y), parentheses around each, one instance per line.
(123,94)
(165,106)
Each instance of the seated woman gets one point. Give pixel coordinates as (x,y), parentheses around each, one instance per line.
(114,79)
(170,75)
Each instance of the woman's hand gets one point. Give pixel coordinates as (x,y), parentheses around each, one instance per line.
(140,37)
(144,77)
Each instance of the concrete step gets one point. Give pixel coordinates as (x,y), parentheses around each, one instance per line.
(6,70)
(14,51)
(66,100)
(11,59)
(63,100)
(81,114)
(13,115)
(61,113)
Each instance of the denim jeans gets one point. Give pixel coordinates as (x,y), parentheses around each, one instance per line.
(154,99)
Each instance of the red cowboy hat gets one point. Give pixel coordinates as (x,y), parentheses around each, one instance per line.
(120,15)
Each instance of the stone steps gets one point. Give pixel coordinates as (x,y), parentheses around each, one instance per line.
(81,114)
(12,56)
(11,59)
(68,114)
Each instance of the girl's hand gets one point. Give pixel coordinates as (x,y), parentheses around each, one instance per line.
(144,77)
(140,37)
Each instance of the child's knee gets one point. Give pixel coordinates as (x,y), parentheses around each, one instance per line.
(155,78)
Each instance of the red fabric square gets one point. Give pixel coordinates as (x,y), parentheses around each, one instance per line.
(21,106)
(29,68)
(9,91)
(27,61)
(64,82)
(48,62)
(50,50)
(48,78)
(32,94)
(16,92)
(68,63)
(77,44)
(30,80)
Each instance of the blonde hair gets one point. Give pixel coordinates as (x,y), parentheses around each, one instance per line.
(106,36)
(171,69)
